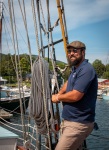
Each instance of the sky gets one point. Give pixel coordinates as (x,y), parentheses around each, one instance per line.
(86,20)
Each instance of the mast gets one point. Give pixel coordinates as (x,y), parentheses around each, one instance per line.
(61,15)
(1,16)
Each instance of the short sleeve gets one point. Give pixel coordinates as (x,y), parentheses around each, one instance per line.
(84,79)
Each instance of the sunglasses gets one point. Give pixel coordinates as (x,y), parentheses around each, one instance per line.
(74,50)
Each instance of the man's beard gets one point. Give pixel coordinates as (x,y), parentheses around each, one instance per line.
(75,62)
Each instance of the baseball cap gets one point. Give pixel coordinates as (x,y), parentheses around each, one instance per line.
(76,44)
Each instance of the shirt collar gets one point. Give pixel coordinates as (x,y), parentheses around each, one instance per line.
(74,69)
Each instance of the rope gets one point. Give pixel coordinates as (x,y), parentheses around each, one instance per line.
(53,64)
(10,126)
(51,53)
(38,14)
(41,74)
(19,34)
(22,117)
(16,38)
(38,142)
(36,105)
(5,26)
(25,24)
(10,39)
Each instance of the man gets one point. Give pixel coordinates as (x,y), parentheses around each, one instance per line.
(78,96)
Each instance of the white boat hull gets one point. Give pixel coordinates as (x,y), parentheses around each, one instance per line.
(105,97)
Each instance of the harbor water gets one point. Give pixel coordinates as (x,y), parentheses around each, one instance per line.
(99,139)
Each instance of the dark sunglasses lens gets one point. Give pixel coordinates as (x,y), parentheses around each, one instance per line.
(69,50)
(73,50)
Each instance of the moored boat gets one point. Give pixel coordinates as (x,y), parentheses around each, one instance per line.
(105,94)
(99,93)
(10,97)
(4,114)
(10,100)
(105,97)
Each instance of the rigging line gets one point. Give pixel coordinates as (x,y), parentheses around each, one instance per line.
(10,126)
(13,127)
(30,143)
(11,123)
(15,32)
(53,63)
(11,38)
(49,46)
(5,26)
(35,26)
(41,40)
(14,112)
(40,65)
(47,3)
(18,106)
(5,7)
(54,57)
(33,138)
(12,44)
(51,36)
(25,23)
(33,131)
(20,35)
(34,128)
(38,142)
(24,132)
(16,38)
(1,16)
(38,12)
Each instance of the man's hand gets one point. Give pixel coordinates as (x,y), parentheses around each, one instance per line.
(55,98)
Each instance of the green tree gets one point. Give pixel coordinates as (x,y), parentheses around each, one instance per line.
(7,69)
(99,67)
(107,67)
(25,65)
(106,73)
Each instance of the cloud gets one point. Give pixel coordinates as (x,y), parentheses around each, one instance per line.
(77,12)
(84,12)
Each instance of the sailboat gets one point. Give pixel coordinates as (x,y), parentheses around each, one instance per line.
(9,97)
(41,131)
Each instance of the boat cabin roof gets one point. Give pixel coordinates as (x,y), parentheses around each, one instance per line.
(6,134)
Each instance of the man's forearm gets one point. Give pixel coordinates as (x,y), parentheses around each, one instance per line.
(71,96)
(63,89)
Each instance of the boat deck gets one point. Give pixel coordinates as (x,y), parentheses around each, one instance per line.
(8,139)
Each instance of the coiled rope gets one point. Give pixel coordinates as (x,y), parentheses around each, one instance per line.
(41,74)
(36,104)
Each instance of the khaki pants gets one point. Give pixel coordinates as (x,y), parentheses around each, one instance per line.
(73,135)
